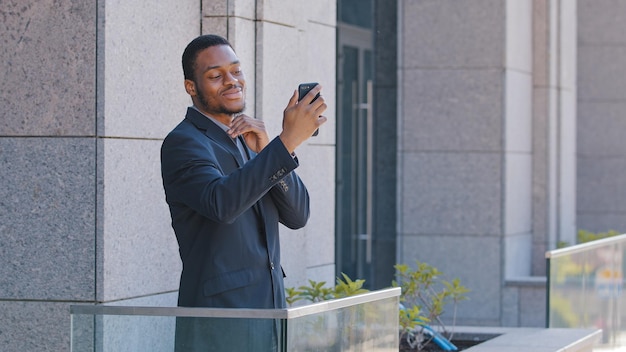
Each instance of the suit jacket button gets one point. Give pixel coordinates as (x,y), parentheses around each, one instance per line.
(272,265)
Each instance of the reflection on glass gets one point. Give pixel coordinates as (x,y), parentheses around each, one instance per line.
(586,289)
(367,327)
(348,324)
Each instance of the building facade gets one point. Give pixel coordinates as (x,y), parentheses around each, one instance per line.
(472,135)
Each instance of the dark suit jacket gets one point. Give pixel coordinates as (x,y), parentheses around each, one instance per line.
(225,214)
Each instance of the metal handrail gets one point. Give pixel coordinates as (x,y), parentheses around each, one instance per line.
(585,246)
(244,313)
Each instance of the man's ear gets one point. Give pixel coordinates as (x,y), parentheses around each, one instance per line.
(190,87)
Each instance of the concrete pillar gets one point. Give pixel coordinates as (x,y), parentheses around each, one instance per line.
(452,147)
(467,170)
(601,191)
(517,139)
(87,92)
(554,128)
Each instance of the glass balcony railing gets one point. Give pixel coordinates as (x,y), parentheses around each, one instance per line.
(367,322)
(585,289)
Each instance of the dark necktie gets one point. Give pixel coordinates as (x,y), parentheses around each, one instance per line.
(242,149)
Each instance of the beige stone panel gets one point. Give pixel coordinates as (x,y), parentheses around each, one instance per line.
(518,112)
(601,22)
(285,13)
(215,25)
(319,176)
(278,71)
(518,196)
(139,249)
(518,250)
(143,81)
(540,42)
(519,35)
(475,261)
(452,110)
(450,33)
(451,193)
(568,54)
(227,8)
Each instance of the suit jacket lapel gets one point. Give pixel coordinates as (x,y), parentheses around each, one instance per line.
(215,133)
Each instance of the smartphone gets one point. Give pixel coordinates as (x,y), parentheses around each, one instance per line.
(303,89)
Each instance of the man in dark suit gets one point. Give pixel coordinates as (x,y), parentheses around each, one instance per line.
(228,186)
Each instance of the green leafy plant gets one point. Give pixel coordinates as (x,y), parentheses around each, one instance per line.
(347,287)
(586,236)
(425,296)
(316,291)
(292,295)
(319,291)
(424,293)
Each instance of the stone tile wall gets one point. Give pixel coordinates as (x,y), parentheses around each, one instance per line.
(87,93)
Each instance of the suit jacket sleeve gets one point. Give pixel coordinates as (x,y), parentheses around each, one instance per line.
(292,200)
(201,173)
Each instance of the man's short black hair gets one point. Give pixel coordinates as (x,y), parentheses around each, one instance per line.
(194,47)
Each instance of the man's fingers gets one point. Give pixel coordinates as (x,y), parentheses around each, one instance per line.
(294,99)
(243,123)
(319,105)
(310,96)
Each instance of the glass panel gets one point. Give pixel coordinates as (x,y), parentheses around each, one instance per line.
(367,322)
(585,288)
(354,164)
(367,327)
(355,142)
(82,332)
(356,12)
(137,333)
(346,163)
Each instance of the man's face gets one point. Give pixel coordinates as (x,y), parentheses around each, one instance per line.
(218,88)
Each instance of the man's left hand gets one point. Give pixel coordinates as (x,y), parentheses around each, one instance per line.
(252,130)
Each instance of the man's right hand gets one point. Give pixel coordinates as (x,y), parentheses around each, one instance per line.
(302,118)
